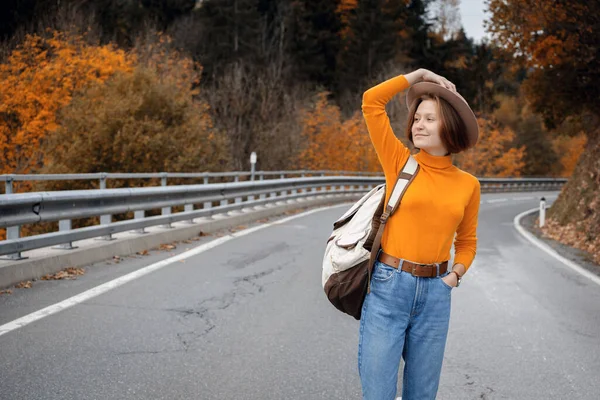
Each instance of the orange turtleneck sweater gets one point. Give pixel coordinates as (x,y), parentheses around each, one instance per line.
(441,201)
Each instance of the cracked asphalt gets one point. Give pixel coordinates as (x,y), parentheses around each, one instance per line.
(248,320)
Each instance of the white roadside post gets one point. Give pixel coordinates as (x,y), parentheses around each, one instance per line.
(542,212)
(252,166)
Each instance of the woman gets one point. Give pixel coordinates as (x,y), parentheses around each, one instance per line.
(407,312)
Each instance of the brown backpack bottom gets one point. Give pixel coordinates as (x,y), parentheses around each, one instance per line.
(346,290)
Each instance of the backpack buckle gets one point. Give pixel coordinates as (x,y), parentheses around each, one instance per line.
(384,217)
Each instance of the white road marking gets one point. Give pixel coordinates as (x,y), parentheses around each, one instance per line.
(523,198)
(574,266)
(496,200)
(105,287)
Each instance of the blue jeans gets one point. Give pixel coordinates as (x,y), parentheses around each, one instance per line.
(403,316)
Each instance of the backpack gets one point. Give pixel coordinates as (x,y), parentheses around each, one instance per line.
(353,246)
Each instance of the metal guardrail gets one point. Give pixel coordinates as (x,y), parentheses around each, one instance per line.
(64,206)
(103,177)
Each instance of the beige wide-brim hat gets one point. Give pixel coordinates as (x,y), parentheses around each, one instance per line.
(456,101)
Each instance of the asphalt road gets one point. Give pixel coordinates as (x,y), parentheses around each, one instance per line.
(248,320)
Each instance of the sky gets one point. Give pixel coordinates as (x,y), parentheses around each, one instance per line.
(472,16)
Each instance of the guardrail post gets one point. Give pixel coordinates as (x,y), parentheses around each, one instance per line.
(105,219)
(207,204)
(261,177)
(272,195)
(283,193)
(324,188)
(141,214)
(12,232)
(188,208)
(304,190)
(165,210)
(294,191)
(238,200)
(64,225)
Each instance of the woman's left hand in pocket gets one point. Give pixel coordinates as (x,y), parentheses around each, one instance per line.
(450,280)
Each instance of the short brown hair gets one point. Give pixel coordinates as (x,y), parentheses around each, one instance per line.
(452,128)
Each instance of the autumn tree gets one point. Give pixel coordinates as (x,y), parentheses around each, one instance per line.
(570,149)
(332,143)
(39,78)
(135,122)
(540,159)
(557,42)
(495,154)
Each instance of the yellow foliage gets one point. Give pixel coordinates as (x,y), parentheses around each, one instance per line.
(493,155)
(334,144)
(39,78)
(569,149)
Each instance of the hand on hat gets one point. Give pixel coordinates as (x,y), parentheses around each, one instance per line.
(429,76)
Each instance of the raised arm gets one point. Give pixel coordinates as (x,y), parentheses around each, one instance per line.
(390,150)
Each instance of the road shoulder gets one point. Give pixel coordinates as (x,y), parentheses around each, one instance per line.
(580,257)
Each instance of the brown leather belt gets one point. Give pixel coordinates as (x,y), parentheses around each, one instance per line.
(420,270)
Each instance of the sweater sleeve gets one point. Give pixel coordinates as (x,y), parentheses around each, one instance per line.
(390,150)
(465,243)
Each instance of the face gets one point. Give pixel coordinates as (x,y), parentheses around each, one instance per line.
(426,129)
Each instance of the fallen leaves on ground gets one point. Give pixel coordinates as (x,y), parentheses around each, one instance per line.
(143,253)
(263,220)
(23,285)
(572,236)
(167,246)
(238,228)
(67,273)
(292,212)
(6,291)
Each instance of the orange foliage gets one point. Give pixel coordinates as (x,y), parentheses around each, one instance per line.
(569,149)
(333,144)
(493,155)
(39,78)
(527,28)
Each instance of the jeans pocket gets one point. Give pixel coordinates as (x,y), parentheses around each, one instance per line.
(383,272)
(445,284)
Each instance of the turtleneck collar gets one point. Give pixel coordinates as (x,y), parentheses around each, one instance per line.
(434,161)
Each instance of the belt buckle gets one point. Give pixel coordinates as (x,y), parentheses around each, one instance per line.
(414,269)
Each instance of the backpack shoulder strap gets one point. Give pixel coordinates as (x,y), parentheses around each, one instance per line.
(405,178)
